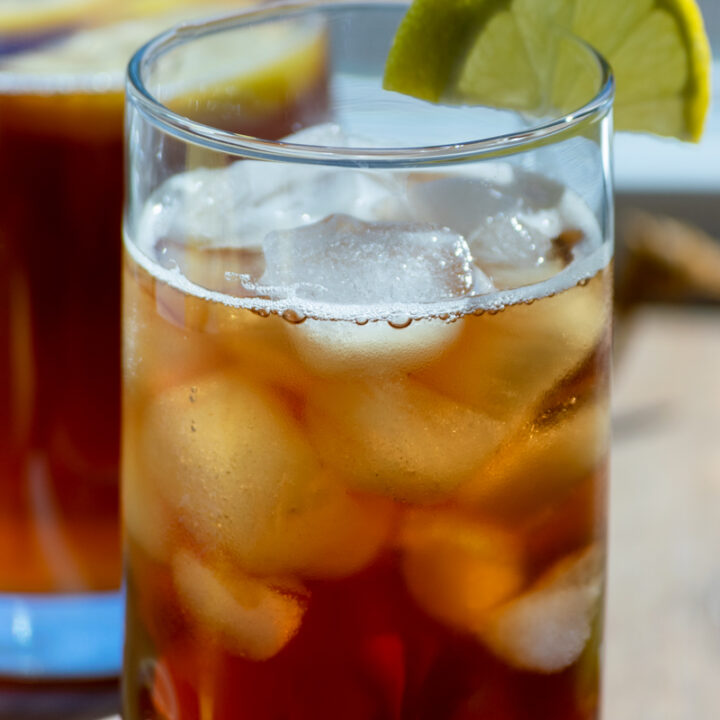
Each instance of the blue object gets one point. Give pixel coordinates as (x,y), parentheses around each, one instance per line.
(61,637)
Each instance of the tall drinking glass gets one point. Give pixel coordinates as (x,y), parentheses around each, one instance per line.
(62,69)
(365,423)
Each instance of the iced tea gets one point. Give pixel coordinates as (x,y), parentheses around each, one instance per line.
(60,204)
(333,515)
(365,409)
(59,338)
(61,120)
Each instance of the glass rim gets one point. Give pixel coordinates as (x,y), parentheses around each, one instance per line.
(250,147)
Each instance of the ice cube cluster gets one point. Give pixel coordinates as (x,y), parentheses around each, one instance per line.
(405,432)
(354,237)
(390,262)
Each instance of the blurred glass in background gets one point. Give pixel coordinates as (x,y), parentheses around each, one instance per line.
(62,66)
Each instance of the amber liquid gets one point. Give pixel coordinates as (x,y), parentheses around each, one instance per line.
(60,204)
(312,534)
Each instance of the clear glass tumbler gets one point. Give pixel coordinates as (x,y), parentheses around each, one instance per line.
(62,71)
(365,410)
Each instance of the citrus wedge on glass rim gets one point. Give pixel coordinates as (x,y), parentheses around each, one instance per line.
(511,54)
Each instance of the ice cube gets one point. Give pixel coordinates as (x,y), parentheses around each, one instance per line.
(339,535)
(249,617)
(514,240)
(546,629)
(197,207)
(538,192)
(459,569)
(504,363)
(236,206)
(330,347)
(242,479)
(310,193)
(509,226)
(542,462)
(330,135)
(345,260)
(517,248)
(278,197)
(146,518)
(394,437)
(161,322)
(229,270)
(458,202)
(260,348)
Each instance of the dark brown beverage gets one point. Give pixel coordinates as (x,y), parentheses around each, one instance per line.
(60,206)
(328,518)
(59,340)
(365,392)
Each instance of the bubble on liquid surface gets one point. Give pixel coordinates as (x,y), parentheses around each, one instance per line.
(345,260)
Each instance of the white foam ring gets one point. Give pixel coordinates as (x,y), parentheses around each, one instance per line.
(579,271)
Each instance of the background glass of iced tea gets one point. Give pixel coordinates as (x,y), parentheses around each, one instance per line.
(61,113)
(365,385)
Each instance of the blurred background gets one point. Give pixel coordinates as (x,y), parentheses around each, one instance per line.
(668,178)
(663,646)
(663,642)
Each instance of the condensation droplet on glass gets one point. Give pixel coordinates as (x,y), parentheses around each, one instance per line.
(399,322)
(293,317)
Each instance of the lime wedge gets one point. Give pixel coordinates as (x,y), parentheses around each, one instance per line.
(510,54)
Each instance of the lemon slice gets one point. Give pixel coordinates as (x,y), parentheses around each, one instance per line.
(501,53)
(89,52)
(281,73)
(76,83)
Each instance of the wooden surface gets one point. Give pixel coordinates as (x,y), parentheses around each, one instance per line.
(662,659)
(663,639)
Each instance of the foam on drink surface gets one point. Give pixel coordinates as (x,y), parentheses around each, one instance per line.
(333,243)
